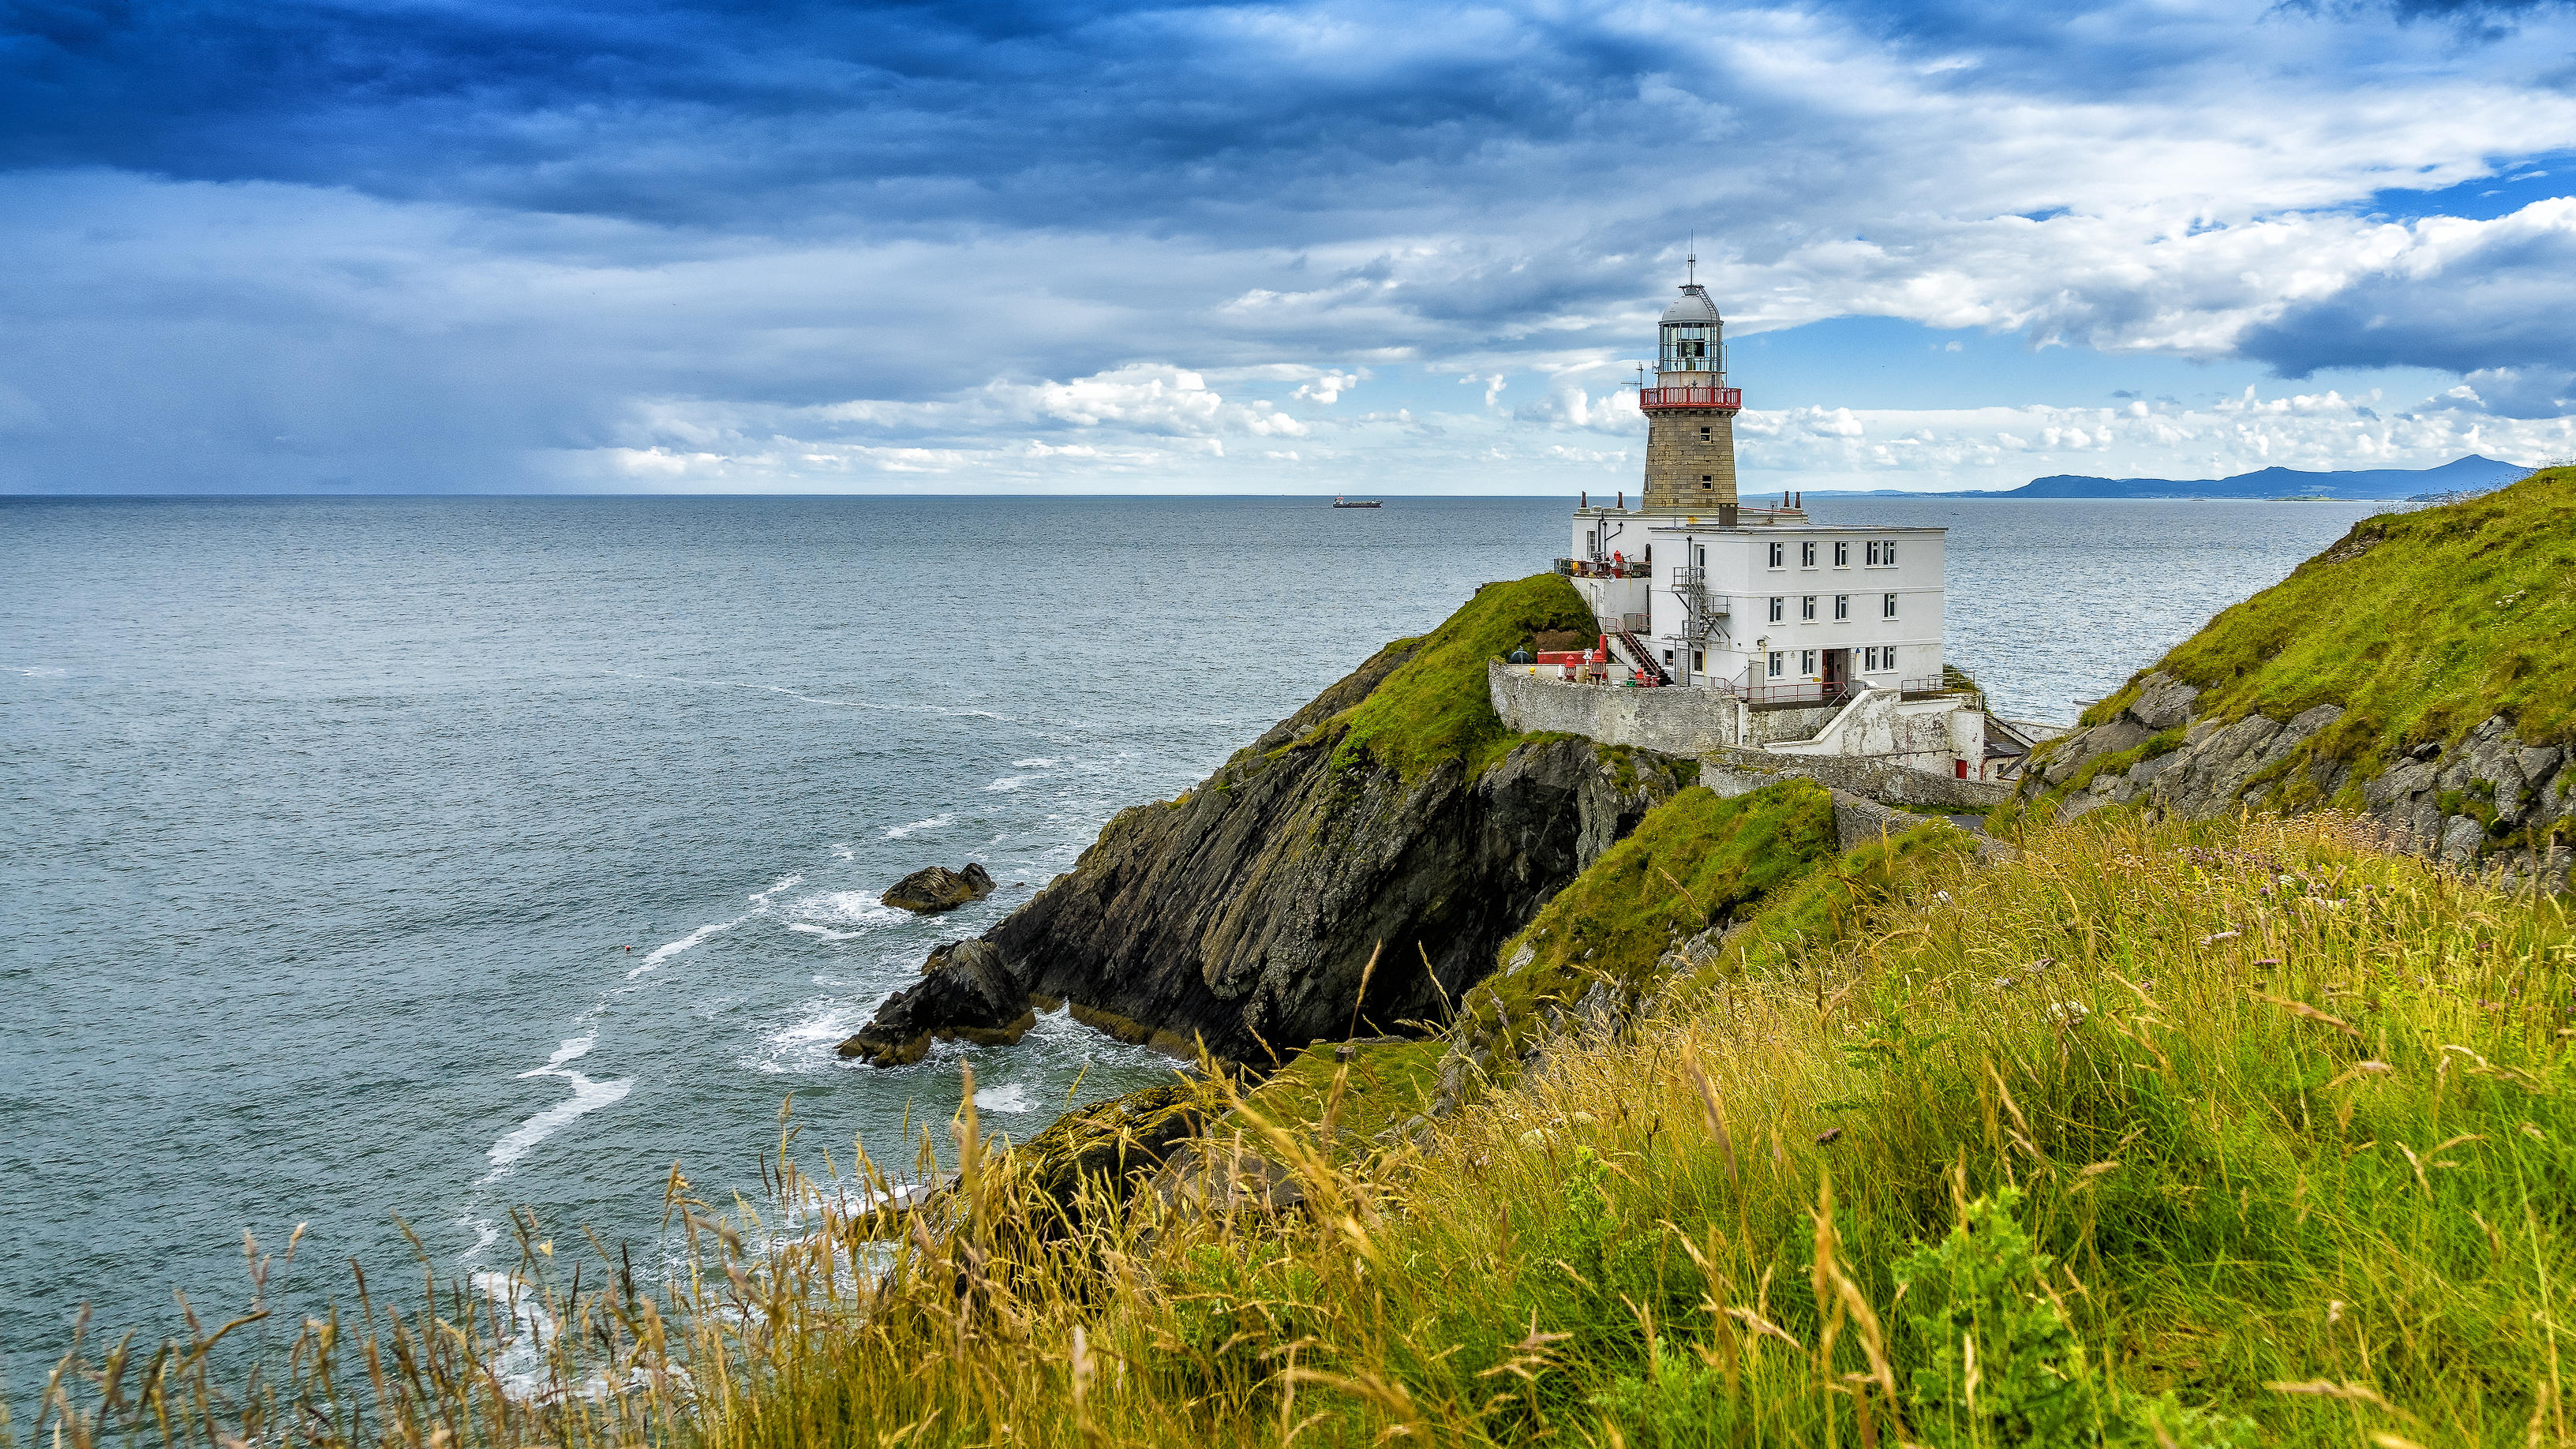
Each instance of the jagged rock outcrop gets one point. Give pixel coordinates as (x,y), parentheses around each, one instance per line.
(2487,801)
(1244,913)
(968,992)
(937,888)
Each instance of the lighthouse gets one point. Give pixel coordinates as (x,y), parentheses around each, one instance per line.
(1692,587)
(1690,411)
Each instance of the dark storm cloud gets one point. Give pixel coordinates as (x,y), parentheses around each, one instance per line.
(309,243)
(890,117)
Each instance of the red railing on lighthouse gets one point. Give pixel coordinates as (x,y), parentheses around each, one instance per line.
(1653,398)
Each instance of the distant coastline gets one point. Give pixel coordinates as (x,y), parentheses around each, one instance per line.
(2471,474)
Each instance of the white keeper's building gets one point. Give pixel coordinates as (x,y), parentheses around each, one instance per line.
(1796,638)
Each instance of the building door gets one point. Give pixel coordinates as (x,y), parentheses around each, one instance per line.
(1837,665)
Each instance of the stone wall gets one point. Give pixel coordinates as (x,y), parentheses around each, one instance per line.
(1930,735)
(1682,721)
(1731,771)
(1677,457)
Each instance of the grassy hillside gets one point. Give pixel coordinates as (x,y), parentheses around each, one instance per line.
(2423,624)
(1436,708)
(2155,1134)
(1692,862)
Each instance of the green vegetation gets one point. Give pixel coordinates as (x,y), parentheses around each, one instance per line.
(1692,863)
(1363,1088)
(2422,624)
(1846,898)
(2153,1134)
(1434,708)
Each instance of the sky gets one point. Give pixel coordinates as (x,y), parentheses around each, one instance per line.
(773,246)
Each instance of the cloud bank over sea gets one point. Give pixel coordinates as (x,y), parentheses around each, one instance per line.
(1274,248)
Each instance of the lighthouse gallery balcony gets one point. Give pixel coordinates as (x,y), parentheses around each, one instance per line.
(1655,399)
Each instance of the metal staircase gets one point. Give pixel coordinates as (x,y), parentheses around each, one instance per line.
(1638,656)
(1700,613)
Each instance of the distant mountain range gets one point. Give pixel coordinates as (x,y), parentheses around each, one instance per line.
(2472,474)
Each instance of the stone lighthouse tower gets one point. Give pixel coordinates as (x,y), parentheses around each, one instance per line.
(1690,411)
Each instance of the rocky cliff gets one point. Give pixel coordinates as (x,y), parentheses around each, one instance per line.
(2422,671)
(1393,815)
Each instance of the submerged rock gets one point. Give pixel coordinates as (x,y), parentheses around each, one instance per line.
(937,888)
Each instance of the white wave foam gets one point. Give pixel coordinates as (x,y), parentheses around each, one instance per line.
(669,949)
(762,897)
(827,933)
(1039,763)
(841,851)
(1010,1099)
(845,908)
(898,832)
(1008,782)
(40,672)
(573,1049)
(587,1096)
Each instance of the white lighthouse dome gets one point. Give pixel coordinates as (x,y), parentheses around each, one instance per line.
(1692,306)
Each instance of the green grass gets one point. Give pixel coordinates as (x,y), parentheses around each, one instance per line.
(1815,915)
(1692,862)
(2421,624)
(1436,707)
(1381,1085)
(2225,1133)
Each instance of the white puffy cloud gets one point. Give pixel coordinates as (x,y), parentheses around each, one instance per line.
(2003,447)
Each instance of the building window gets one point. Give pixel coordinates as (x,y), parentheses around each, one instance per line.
(1779,552)
(1703,435)
(1887,552)
(1878,661)
(1699,661)
(1706,481)
(1807,608)
(1842,554)
(1806,555)
(1873,553)
(1779,609)
(1703,556)
(1779,663)
(1592,543)
(1842,607)
(1807,662)
(1887,606)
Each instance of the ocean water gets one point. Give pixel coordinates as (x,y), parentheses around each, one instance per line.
(431,859)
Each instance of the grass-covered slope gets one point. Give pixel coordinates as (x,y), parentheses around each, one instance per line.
(1693,862)
(2421,624)
(2232,1133)
(1436,707)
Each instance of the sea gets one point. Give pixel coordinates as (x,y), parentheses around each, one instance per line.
(403,868)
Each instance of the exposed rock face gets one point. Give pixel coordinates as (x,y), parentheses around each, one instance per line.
(937,888)
(968,992)
(1244,913)
(2489,801)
